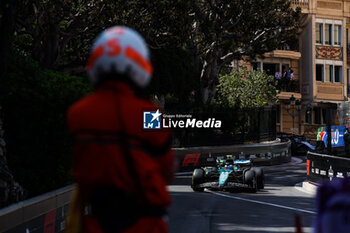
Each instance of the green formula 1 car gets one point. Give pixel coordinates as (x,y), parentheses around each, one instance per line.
(228,174)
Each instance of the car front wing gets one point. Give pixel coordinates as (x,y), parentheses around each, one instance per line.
(215,185)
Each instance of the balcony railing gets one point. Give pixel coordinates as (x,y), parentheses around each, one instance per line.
(290,47)
(300,2)
(288,86)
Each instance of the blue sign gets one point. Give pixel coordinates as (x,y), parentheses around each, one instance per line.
(337,135)
(151,120)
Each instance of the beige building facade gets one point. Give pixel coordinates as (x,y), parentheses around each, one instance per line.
(320,66)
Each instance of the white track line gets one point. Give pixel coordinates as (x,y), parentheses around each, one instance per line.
(263,203)
(183,173)
(288,176)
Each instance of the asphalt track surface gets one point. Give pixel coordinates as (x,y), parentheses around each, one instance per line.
(272,209)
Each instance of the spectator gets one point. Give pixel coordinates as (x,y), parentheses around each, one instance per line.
(290,78)
(291,74)
(284,79)
(278,76)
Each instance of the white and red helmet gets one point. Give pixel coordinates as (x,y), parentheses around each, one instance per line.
(122,50)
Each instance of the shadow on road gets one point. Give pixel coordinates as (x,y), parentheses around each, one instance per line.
(206,212)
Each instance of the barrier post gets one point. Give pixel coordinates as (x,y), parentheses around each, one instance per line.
(329,132)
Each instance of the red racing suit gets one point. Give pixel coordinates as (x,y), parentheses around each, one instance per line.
(107,129)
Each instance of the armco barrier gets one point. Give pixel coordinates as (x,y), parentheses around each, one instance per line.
(41,214)
(261,154)
(326,167)
(46,213)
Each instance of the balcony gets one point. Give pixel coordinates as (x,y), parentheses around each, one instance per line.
(287,88)
(284,54)
(300,3)
(303,4)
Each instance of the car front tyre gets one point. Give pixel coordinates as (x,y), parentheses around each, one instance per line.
(250,179)
(197,178)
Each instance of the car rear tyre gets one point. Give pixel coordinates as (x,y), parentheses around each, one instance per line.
(197,178)
(260,177)
(254,185)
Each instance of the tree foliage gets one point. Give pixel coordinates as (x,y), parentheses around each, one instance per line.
(243,89)
(174,76)
(56,33)
(35,105)
(226,30)
(59,34)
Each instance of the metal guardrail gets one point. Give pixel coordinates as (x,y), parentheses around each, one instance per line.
(326,167)
(261,154)
(37,214)
(47,212)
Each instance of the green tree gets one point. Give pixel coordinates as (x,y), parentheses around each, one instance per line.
(243,89)
(58,33)
(226,30)
(35,105)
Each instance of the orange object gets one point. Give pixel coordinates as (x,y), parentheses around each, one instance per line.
(97,53)
(113,44)
(75,215)
(298,225)
(137,58)
(95,123)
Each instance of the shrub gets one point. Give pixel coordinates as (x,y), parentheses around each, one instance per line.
(243,89)
(35,103)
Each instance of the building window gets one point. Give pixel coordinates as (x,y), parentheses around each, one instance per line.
(324,115)
(256,65)
(319,33)
(317,115)
(337,34)
(328,73)
(271,68)
(338,74)
(308,116)
(328,34)
(319,72)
